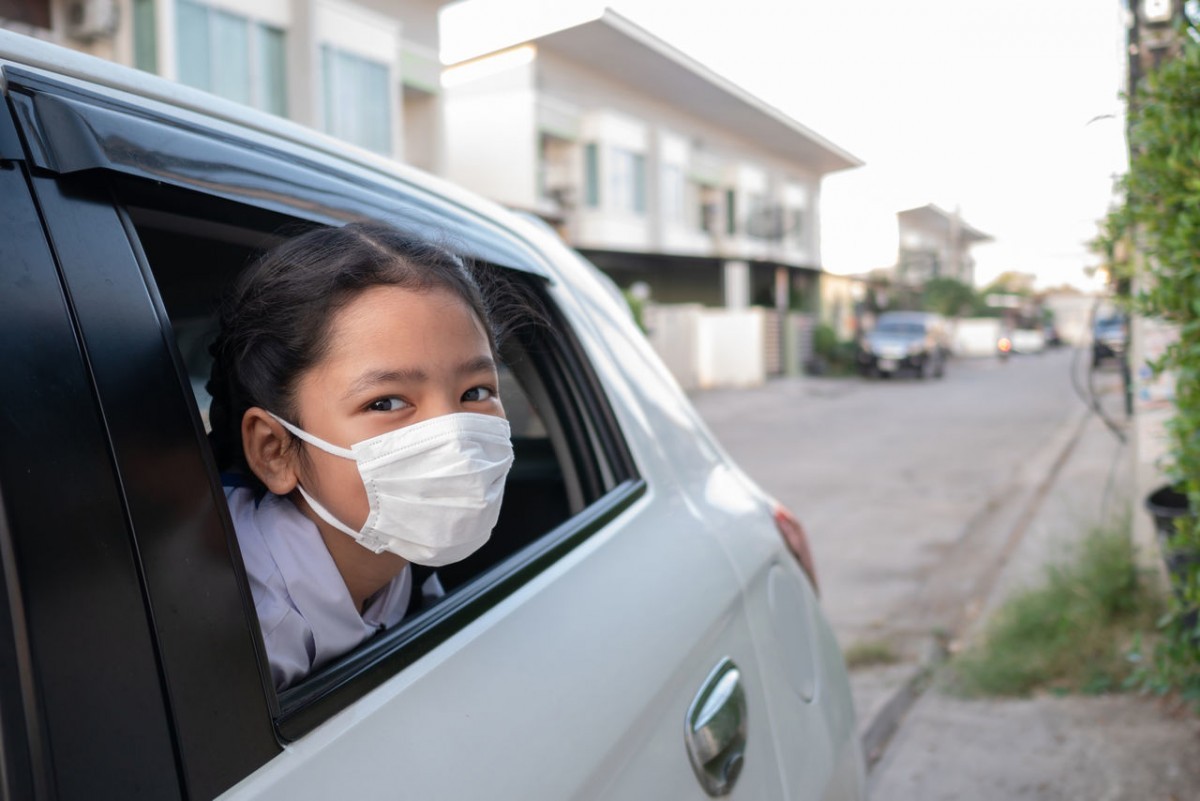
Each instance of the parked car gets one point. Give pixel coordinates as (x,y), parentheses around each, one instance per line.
(1110,337)
(635,628)
(902,340)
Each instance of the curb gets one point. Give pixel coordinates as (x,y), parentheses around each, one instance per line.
(878,734)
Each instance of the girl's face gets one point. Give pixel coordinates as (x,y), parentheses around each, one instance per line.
(396,357)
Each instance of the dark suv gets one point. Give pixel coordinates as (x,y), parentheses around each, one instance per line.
(1110,337)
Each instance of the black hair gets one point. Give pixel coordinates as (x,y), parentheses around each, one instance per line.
(274,321)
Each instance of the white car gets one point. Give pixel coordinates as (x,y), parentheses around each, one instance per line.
(1028,340)
(636,629)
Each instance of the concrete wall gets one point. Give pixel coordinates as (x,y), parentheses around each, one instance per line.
(839,295)
(1072,317)
(975,336)
(706,348)
(490,127)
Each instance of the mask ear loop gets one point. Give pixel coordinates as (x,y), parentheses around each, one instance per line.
(321,511)
(316,442)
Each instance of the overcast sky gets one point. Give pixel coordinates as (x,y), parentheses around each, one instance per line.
(1008,110)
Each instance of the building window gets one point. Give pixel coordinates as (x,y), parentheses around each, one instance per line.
(591,178)
(629,181)
(708,207)
(35,13)
(145,40)
(229,55)
(731,225)
(795,225)
(357,99)
(674,195)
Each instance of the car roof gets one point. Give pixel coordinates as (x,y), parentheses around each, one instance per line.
(123,84)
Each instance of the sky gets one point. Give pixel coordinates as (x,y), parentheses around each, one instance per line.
(1007,111)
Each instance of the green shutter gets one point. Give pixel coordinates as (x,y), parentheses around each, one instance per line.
(592,176)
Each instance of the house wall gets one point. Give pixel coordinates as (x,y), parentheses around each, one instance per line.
(708,348)
(703,150)
(490,127)
(402,35)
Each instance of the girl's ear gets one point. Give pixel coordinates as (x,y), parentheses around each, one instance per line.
(268,451)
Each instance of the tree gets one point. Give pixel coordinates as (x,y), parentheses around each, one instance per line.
(949,297)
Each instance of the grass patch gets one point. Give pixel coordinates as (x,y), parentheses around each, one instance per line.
(869,654)
(1074,632)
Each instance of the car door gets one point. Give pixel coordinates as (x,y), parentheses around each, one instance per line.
(564,669)
(808,710)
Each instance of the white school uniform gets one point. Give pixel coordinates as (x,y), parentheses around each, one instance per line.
(306,613)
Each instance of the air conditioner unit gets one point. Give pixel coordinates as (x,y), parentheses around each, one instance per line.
(564,196)
(88,20)
(1158,12)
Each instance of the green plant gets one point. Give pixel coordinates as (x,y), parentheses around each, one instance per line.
(949,297)
(1155,235)
(869,654)
(637,308)
(835,356)
(1074,632)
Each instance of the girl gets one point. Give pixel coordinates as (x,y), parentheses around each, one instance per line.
(355,405)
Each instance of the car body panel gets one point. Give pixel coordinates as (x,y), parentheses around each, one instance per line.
(593,704)
(1110,338)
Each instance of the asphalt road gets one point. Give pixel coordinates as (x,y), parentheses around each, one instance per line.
(902,483)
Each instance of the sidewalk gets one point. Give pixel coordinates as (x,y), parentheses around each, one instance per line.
(930,745)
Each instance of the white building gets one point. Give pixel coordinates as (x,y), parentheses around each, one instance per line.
(654,166)
(365,71)
(935,244)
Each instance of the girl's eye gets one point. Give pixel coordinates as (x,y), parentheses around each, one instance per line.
(478,394)
(387,405)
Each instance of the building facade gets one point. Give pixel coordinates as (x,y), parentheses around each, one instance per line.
(659,170)
(935,244)
(365,71)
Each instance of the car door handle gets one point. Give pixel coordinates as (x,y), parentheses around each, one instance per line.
(715,729)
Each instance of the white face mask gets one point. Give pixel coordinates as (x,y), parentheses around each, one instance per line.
(434,488)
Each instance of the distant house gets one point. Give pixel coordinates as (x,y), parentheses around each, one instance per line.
(657,168)
(935,244)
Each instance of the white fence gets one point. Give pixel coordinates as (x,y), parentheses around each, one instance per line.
(706,348)
(976,336)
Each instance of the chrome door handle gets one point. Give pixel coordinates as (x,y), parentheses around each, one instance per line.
(715,729)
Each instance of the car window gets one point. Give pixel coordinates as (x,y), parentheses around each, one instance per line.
(569,456)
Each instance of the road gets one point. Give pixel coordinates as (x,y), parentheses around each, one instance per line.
(901,483)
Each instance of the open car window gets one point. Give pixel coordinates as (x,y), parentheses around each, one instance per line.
(571,468)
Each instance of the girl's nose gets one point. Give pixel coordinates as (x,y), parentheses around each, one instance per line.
(440,406)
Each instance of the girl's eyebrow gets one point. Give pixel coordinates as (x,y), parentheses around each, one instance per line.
(373,378)
(480,364)
(414,375)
